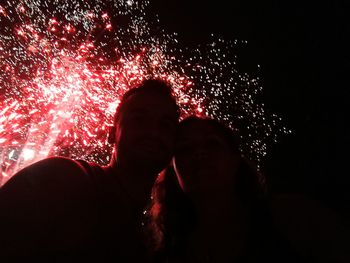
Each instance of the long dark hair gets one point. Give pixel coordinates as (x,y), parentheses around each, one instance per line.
(171,216)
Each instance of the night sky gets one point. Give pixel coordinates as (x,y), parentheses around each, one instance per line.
(303,50)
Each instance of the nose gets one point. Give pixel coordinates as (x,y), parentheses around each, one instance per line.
(201,154)
(156,127)
(153,130)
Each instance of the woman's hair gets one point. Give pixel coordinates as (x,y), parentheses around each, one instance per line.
(171,217)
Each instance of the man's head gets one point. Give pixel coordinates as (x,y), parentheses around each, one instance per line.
(145,126)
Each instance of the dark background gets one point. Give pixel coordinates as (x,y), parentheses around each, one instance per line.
(303,49)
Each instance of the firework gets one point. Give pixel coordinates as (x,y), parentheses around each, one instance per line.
(64,67)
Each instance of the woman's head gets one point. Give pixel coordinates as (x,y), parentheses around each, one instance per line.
(207,160)
(206,157)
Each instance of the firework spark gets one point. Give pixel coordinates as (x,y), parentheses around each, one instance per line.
(65,66)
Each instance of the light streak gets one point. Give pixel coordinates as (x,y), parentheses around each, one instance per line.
(65,65)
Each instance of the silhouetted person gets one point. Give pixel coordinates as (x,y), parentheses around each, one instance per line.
(61,210)
(212,206)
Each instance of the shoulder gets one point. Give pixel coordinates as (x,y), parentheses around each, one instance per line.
(53,166)
(300,206)
(48,172)
(312,227)
(298,211)
(51,181)
(57,199)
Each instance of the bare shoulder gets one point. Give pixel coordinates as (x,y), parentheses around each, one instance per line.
(53,166)
(49,204)
(48,172)
(300,206)
(314,229)
(303,211)
(52,182)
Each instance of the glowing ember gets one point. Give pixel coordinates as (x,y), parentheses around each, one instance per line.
(65,66)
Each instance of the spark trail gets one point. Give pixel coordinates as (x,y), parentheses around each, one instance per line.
(65,65)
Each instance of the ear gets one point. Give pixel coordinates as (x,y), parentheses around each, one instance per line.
(111,134)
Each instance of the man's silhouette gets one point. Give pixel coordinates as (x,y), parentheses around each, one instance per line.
(61,210)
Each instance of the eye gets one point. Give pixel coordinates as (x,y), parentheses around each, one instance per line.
(137,117)
(184,147)
(168,124)
(214,143)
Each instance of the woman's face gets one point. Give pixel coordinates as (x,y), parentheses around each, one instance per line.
(204,161)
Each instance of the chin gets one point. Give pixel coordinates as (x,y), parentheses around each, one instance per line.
(155,165)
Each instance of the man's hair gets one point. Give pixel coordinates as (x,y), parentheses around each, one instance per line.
(156,86)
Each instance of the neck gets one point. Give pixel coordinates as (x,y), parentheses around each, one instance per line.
(136,181)
(222,227)
(220,207)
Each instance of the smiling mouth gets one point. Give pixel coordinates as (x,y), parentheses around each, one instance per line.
(149,146)
(204,168)
(150,149)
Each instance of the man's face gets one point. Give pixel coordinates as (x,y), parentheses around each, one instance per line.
(146,129)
